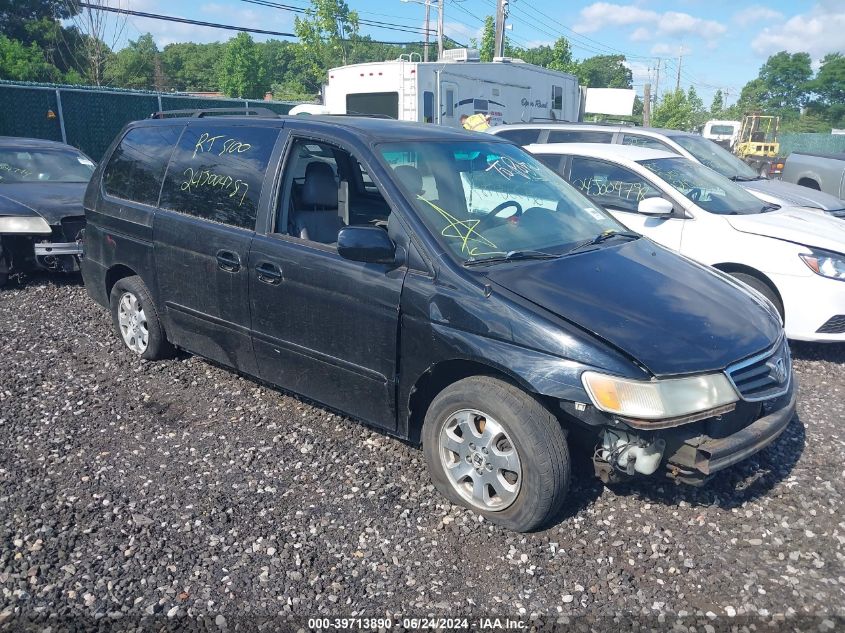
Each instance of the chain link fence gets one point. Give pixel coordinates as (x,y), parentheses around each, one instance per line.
(90,117)
(812,143)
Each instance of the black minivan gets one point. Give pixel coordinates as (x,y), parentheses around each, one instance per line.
(442,286)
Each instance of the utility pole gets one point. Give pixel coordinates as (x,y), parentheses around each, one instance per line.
(427,22)
(647,105)
(440,4)
(657,83)
(501,16)
(680,59)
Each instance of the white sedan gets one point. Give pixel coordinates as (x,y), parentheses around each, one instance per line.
(793,256)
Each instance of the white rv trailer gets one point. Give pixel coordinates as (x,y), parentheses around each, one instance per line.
(409,89)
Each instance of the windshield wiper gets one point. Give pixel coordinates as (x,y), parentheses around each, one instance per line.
(603,237)
(510,257)
(739,178)
(769,207)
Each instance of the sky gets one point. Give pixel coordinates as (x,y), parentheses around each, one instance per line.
(721,43)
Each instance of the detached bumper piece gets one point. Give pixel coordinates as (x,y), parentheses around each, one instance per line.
(725,442)
(58,248)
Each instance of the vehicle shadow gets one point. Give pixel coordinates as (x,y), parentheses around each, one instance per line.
(730,488)
(829,352)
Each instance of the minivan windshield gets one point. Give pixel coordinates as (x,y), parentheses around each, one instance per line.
(709,190)
(492,200)
(715,157)
(33,165)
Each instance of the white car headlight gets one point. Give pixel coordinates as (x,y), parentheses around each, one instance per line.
(825,263)
(26,224)
(658,399)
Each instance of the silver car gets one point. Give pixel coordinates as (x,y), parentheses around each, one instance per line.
(692,146)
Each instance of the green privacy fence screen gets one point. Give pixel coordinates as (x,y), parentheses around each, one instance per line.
(813,143)
(90,117)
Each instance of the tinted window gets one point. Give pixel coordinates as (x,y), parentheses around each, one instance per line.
(450,102)
(216,173)
(610,185)
(35,164)
(428,107)
(552,161)
(373,103)
(646,141)
(557,97)
(136,167)
(520,137)
(579,136)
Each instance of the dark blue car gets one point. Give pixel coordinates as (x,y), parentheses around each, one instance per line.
(41,218)
(440,285)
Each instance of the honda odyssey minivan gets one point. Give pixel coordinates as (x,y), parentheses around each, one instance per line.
(442,286)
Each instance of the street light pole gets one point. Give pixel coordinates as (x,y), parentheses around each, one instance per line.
(440,4)
(427,23)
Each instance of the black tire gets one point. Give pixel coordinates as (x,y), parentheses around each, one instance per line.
(157,346)
(763,288)
(535,434)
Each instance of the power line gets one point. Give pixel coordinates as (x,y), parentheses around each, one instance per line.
(229,27)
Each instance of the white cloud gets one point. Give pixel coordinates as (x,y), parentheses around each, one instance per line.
(818,32)
(669,50)
(649,23)
(755,15)
(640,71)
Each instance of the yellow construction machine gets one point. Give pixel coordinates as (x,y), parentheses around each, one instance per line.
(758,144)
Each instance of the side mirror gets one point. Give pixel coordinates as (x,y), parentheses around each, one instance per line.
(655,206)
(368,244)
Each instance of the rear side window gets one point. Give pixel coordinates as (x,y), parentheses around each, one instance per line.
(579,136)
(136,167)
(216,173)
(646,141)
(521,137)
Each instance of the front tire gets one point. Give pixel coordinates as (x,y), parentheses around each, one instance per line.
(493,448)
(763,288)
(136,319)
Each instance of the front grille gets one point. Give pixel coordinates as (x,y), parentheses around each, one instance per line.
(763,376)
(71,226)
(834,325)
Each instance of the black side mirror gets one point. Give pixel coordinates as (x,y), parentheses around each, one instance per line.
(368,244)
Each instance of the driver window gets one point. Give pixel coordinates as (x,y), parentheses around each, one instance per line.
(326,188)
(610,185)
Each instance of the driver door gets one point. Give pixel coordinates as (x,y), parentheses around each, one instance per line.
(619,190)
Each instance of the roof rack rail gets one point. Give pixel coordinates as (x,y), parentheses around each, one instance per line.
(261,112)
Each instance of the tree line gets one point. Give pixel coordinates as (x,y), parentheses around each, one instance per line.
(47,41)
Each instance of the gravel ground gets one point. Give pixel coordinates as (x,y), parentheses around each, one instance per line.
(180,494)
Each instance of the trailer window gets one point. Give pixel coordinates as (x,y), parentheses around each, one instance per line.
(428,107)
(450,102)
(480,105)
(386,103)
(557,97)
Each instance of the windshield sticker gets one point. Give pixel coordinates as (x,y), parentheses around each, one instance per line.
(627,190)
(595,213)
(15,170)
(509,168)
(464,230)
(84,161)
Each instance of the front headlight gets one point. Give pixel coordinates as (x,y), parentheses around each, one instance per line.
(825,263)
(658,399)
(26,224)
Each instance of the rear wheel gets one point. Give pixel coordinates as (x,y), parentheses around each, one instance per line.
(136,319)
(493,448)
(763,288)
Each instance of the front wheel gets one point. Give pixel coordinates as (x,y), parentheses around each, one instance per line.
(493,448)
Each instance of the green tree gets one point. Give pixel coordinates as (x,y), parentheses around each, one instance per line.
(786,78)
(134,66)
(24,63)
(829,83)
(717,105)
(488,39)
(605,71)
(16,16)
(240,71)
(557,57)
(674,111)
(192,67)
(752,98)
(327,37)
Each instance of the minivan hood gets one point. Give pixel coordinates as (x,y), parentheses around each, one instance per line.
(51,200)
(670,314)
(790,194)
(800,226)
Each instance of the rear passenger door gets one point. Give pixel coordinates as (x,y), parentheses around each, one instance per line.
(324,326)
(203,231)
(580,136)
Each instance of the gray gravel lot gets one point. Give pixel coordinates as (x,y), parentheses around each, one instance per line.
(182,491)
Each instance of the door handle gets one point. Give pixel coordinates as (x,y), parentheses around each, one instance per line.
(269,273)
(228,261)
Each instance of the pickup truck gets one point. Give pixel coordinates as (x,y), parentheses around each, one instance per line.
(824,172)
